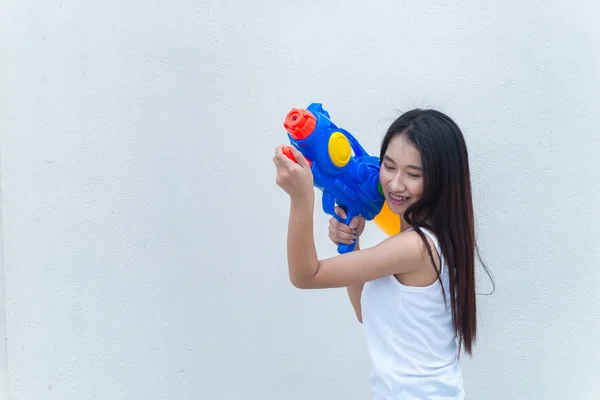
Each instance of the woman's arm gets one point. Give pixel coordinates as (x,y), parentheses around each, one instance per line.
(355,293)
(398,254)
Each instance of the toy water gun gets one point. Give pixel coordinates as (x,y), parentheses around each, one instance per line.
(342,169)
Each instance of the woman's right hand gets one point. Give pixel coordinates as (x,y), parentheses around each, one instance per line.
(339,232)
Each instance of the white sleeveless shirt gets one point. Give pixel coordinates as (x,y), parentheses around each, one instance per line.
(410,339)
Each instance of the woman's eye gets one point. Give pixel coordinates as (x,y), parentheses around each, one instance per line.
(388,167)
(414,175)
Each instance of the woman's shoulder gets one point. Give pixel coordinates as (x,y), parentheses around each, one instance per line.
(410,242)
(427,232)
(429,235)
(422,274)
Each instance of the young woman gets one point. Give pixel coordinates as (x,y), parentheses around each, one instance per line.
(415,291)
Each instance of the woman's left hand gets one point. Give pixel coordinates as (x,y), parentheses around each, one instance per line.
(295,178)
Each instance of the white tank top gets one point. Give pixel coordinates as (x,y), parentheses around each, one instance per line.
(410,339)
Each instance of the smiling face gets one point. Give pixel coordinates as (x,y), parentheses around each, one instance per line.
(401,174)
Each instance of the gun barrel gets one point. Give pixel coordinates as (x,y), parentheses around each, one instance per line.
(300,123)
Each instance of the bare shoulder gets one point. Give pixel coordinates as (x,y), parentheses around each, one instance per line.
(409,251)
(421,269)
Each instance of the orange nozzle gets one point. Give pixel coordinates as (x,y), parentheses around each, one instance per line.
(300,123)
(287,150)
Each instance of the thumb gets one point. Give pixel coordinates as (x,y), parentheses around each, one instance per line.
(300,158)
(354,223)
(340,212)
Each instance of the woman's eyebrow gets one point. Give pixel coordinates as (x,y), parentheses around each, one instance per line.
(388,158)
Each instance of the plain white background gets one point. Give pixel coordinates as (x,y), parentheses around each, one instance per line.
(144,236)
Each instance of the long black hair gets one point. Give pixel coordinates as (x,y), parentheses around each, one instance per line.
(445,207)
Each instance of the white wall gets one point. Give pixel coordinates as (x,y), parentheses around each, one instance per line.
(144,235)
(4,390)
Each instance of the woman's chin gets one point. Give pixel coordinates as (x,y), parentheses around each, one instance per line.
(397,208)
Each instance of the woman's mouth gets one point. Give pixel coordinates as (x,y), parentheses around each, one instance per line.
(395,199)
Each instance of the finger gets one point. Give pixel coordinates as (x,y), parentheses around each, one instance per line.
(278,150)
(337,240)
(280,156)
(300,158)
(346,239)
(335,224)
(278,164)
(342,234)
(287,151)
(340,212)
(355,222)
(333,238)
(343,228)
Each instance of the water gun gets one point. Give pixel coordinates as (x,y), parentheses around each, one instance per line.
(342,169)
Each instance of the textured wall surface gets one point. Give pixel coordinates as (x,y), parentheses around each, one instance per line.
(143,233)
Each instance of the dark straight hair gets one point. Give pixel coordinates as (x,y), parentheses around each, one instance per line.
(445,207)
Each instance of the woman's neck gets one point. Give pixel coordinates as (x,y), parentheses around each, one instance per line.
(403,224)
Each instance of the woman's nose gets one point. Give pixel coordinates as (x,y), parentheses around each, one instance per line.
(396,186)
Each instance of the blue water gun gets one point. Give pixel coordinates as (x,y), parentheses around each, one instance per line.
(342,169)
